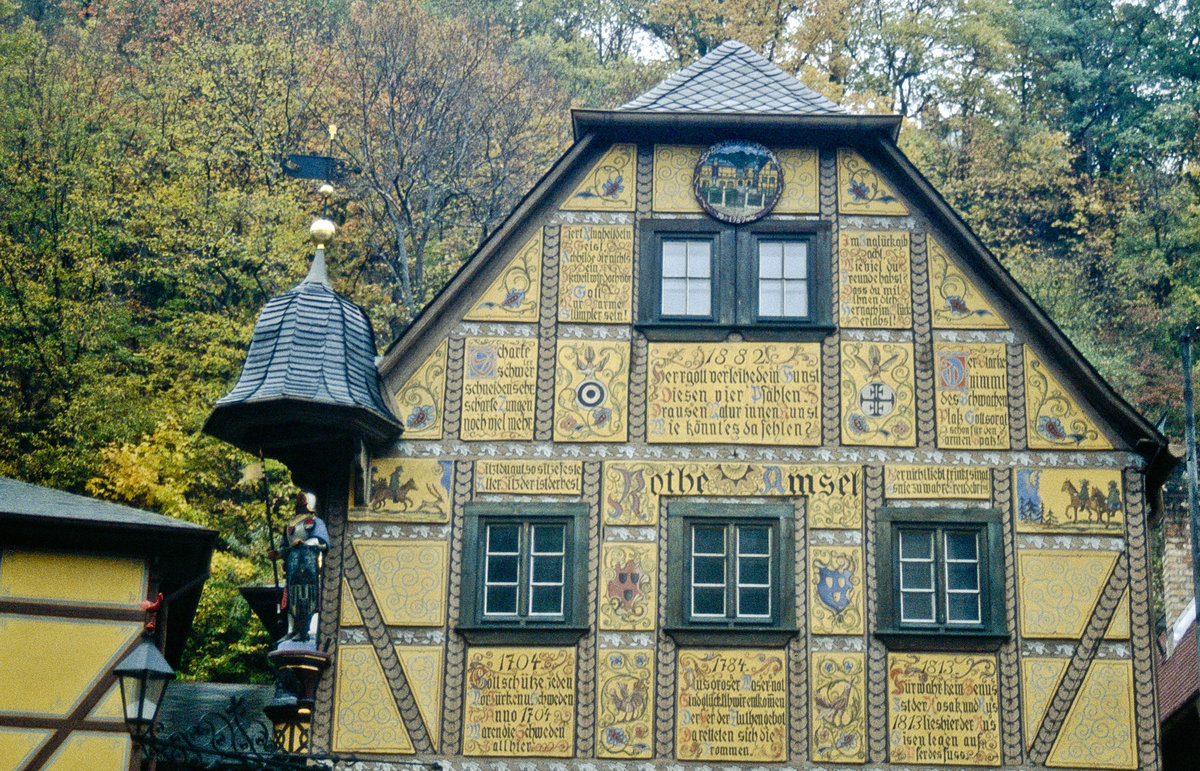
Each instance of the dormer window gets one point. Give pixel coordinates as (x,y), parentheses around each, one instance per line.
(702,280)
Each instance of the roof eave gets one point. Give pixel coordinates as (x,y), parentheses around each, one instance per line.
(280,423)
(584,121)
(1127,421)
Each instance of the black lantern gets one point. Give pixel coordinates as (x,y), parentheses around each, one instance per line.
(144,675)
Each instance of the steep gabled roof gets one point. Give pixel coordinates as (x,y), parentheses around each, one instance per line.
(732,78)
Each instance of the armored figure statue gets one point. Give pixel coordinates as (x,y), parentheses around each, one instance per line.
(304,542)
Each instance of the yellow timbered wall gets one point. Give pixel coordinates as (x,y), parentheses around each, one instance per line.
(927,394)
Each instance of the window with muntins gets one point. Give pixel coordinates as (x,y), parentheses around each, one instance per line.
(520,572)
(730,571)
(941,574)
(705,279)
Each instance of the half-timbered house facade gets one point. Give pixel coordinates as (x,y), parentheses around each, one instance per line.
(735,446)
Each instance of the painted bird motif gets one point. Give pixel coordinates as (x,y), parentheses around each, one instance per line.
(629,702)
(875,363)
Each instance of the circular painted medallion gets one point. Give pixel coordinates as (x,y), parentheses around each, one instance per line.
(737,182)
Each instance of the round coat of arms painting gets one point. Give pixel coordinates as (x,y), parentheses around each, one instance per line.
(737,182)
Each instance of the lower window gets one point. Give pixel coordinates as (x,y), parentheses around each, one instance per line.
(523,568)
(730,572)
(941,575)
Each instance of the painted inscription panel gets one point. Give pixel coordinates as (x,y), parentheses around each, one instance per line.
(955,301)
(520,702)
(499,387)
(632,489)
(943,709)
(839,717)
(1069,500)
(609,186)
(1056,420)
(407,490)
(836,590)
(628,578)
(514,294)
(595,280)
(933,482)
(732,705)
(734,393)
(528,477)
(862,190)
(625,714)
(1059,590)
(592,392)
(874,279)
(877,394)
(420,400)
(971,383)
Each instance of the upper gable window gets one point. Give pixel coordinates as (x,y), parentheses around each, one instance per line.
(701,279)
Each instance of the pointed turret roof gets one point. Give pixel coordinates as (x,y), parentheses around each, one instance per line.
(733,78)
(310,369)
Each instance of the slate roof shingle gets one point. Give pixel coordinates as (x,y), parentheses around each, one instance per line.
(26,500)
(311,344)
(732,78)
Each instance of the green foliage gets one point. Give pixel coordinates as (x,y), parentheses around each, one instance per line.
(144,218)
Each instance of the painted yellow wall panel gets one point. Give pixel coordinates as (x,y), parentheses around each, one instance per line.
(632,489)
(408,490)
(499,387)
(595,278)
(110,707)
(625,713)
(514,295)
(943,709)
(1059,590)
(1069,501)
(591,386)
(91,750)
(407,579)
(874,279)
(421,400)
(348,613)
(628,586)
(529,477)
(878,397)
(520,702)
(971,393)
(17,745)
(1056,420)
(610,185)
(365,716)
(748,719)
(423,668)
(674,166)
(72,656)
(1039,682)
(922,482)
(1118,628)
(1099,729)
(734,393)
(957,303)
(839,714)
(836,590)
(861,190)
(58,577)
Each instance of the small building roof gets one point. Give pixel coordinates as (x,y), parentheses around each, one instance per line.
(178,552)
(732,78)
(1178,681)
(23,499)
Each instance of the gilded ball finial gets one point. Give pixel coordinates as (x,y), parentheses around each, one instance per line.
(325,190)
(322,231)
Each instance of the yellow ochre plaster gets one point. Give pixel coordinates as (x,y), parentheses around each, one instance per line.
(421,400)
(407,579)
(1059,590)
(365,716)
(71,578)
(514,295)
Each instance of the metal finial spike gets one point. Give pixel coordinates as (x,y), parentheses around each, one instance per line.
(316,272)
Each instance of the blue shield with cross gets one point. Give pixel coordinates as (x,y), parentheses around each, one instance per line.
(833,588)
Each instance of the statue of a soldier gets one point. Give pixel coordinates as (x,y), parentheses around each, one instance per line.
(304,542)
